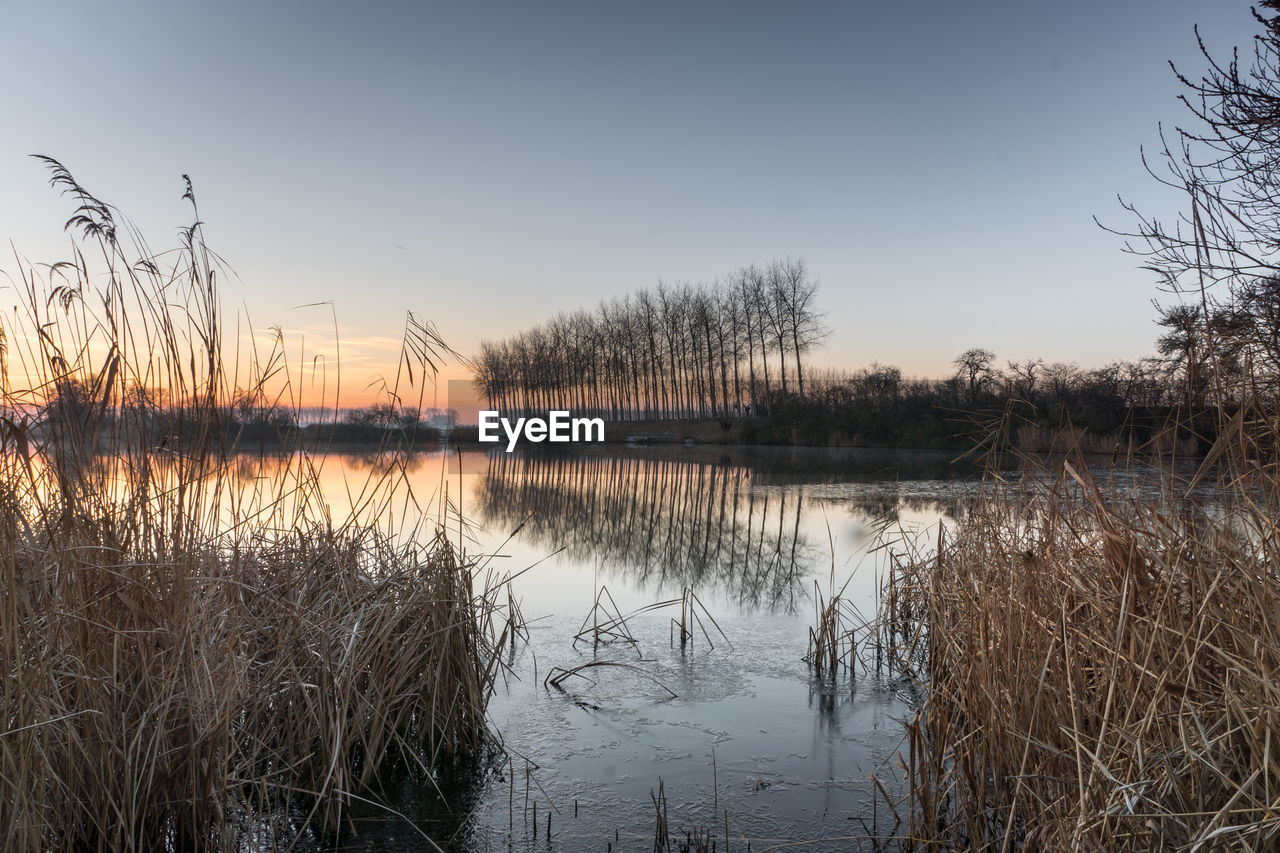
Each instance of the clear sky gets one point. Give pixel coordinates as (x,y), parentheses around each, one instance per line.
(487,164)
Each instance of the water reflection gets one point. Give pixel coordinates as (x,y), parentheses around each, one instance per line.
(440,809)
(662,522)
(748,528)
(742,524)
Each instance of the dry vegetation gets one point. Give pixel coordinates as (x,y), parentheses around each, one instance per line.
(190,663)
(1103,670)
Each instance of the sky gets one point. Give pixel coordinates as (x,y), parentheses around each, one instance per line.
(485,165)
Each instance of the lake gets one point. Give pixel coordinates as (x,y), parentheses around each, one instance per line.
(732,723)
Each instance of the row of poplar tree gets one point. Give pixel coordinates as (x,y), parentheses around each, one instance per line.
(731,349)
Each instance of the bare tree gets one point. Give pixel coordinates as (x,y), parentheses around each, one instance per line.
(974,366)
(797,294)
(1222,248)
(774,302)
(1061,379)
(1022,377)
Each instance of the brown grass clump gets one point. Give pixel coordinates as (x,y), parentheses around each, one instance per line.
(190,662)
(1103,670)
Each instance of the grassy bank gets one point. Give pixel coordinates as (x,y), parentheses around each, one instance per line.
(193,660)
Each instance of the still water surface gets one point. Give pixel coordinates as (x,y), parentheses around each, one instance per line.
(749,731)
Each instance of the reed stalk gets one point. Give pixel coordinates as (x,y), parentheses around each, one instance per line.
(192,658)
(1102,664)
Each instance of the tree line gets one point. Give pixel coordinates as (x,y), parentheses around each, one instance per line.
(879,406)
(731,349)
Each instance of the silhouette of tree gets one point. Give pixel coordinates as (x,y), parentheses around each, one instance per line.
(974,366)
(674,352)
(1222,247)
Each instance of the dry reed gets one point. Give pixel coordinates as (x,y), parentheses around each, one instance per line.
(191,662)
(1102,668)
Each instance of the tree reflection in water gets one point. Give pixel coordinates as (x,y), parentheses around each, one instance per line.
(663,522)
(668,522)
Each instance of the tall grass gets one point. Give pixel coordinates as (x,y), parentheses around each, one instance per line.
(1103,667)
(189,662)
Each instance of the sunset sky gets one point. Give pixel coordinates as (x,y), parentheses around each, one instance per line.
(937,164)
